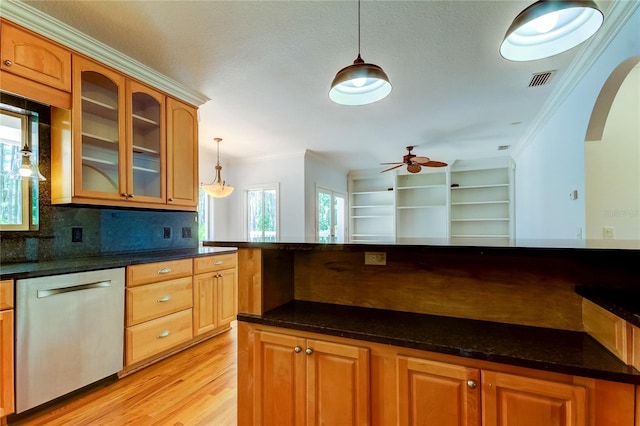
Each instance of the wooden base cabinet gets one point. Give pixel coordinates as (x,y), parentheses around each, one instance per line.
(302,381)
(6,349)
(435,393)
(511,400)
(215,294)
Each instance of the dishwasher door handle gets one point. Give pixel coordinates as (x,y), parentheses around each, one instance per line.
(62,290)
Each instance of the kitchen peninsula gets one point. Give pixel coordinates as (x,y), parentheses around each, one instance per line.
(437,333)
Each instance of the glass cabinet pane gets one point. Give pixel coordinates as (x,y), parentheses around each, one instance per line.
(100,144)
(146,145)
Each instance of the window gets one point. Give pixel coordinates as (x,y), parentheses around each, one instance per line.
(18,196)
(262,213)
(330,217)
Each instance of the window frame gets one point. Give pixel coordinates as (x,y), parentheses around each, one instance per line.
(27,190)
(333,195)
(264,187)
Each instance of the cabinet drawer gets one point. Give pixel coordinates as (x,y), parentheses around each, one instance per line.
(158,271)
(6,294)
(155,336)
(155,300)
(214,263)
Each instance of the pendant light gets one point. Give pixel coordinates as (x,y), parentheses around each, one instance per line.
(549,27)
(25,166)
(360,83)
(219,188)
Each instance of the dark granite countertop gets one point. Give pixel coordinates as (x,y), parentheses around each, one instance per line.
(560,351)
(92,263)
(623,302)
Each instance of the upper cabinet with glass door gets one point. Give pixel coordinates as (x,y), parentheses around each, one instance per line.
(98,132)
(146,145)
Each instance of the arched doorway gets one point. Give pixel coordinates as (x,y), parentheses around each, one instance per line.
(612,158)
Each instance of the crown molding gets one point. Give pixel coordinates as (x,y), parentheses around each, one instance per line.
(47,26)
(617,16)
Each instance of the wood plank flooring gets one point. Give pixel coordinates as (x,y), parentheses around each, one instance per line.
(194,387)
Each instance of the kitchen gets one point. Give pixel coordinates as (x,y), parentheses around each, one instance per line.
(125,221)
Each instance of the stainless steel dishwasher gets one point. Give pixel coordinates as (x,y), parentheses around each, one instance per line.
(69,333)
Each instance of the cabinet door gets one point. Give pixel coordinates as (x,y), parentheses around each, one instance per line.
(227,296)
(99,132)
(6,363)
(146,147)
(280,379)
(35,58)
(510,400)
(337,384)
(182,154)
(204,303)
(434,393)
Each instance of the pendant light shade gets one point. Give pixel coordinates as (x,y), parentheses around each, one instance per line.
(218,188)
(360,83)
(549,27)
(26,166)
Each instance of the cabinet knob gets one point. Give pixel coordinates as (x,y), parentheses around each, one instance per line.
(170,199)
(8,62)
(297,349)
(124,194)
(130,195)
(308,351)
(472,384)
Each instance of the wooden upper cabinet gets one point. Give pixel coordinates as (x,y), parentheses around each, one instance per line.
(146,144)
(435,393)
(28,55)
(182,154)
(99,147)
(511,400)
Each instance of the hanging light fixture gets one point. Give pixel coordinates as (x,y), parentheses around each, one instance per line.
(549,27)
(219,188)
(360,83)
(26,166)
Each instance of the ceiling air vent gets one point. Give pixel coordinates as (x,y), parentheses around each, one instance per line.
(541,78)
(503,147)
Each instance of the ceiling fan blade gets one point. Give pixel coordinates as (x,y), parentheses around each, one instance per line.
(397,162)
(391,168)
(434,164)
(414,168)
(420,160)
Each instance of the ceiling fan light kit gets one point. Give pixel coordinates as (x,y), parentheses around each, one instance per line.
(549,27)
(218,188)
(361,83)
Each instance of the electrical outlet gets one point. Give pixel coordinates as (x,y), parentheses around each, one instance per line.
(166,233)
(608,233)
(186,232)
(76,235)
(375,258)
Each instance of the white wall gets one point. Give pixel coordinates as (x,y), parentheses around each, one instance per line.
(613,168)
(317,173)
(551,165)
(286,171)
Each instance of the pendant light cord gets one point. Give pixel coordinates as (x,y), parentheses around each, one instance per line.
(358,28)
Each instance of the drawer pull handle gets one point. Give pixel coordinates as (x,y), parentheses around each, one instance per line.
(164,334)
(218,262)
(164,271)
(164,299)
(8,62)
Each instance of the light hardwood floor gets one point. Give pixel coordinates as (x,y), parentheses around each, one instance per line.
(194,387)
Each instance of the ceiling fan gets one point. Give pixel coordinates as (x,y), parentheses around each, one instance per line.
(414,163)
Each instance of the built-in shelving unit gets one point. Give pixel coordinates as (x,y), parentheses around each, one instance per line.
(421,205)
(371,212)
(481,204)
(463,203)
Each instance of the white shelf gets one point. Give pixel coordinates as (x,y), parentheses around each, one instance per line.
(370,216)
(471,203)
(142,149)
(99,138)
(402,188)
(499,185)
(478,236)
(490,219)
(435,206)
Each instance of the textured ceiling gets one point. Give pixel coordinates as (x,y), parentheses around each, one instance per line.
(267,67)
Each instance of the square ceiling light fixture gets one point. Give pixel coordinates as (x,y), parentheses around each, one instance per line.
(549,27)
